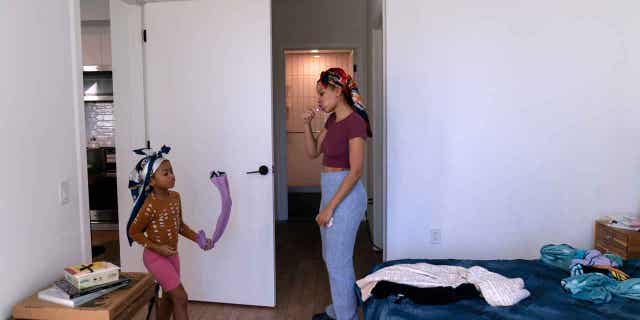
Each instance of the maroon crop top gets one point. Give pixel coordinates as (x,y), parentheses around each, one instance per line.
(335,146)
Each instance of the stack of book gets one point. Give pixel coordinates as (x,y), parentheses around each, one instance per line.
(84,283)
(628,223)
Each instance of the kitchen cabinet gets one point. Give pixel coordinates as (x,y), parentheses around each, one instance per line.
(96,43)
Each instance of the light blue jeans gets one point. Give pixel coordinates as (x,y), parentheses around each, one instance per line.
(338,242)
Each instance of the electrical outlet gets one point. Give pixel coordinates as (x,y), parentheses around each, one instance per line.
(63,192)
(435,236)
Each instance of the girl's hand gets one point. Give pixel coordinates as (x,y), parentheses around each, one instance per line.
(324,216)
(308,115)
(164,250)
(209,245)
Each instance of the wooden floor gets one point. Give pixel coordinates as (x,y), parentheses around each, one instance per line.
(302,287)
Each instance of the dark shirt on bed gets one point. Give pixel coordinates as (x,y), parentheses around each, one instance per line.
(426,296)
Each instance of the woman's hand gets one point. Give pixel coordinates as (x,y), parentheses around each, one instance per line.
(308,115)
(164,250)
(324,216)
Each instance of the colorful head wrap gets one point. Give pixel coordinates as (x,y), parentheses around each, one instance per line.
(140,177)
(338,78)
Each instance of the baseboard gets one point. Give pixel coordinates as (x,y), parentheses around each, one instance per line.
(305,189)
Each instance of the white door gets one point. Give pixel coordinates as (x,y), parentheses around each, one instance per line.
(208,90)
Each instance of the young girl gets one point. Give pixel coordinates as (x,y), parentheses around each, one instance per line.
(160,217)
(344,199)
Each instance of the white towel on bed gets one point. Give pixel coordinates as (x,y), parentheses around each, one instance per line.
(497,290)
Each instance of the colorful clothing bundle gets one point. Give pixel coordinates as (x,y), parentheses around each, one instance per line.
(599,288)
(588,282)
(596,258)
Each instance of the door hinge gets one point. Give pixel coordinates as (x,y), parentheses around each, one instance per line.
(144,35)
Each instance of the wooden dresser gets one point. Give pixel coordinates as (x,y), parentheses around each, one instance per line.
(625,243)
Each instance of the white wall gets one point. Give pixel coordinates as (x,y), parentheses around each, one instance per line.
(41,104)
(92,10)
(302,173)
(511,124)
(309,24)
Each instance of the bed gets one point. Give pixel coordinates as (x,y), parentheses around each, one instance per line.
(547,301)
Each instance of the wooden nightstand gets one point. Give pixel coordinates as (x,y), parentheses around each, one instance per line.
(122,304)
(625,243)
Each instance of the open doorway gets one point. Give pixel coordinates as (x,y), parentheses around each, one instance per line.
(307,39)
(298,243)
(302,68)
(100,131)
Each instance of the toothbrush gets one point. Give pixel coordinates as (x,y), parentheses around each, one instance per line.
(330,223)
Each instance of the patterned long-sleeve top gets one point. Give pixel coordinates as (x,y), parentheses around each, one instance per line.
(161,220)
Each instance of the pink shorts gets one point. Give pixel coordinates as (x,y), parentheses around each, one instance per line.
(166,270)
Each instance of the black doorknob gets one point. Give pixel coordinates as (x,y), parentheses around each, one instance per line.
(263,170)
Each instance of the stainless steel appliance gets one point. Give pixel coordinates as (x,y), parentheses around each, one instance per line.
(103,196)
(101,162)
(98,85)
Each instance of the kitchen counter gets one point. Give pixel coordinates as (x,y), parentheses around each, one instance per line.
(103,226)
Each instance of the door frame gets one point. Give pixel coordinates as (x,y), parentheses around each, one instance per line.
(129,97)
(80,130)
(280,127)
(385,125)
(316,189)
(279,118)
